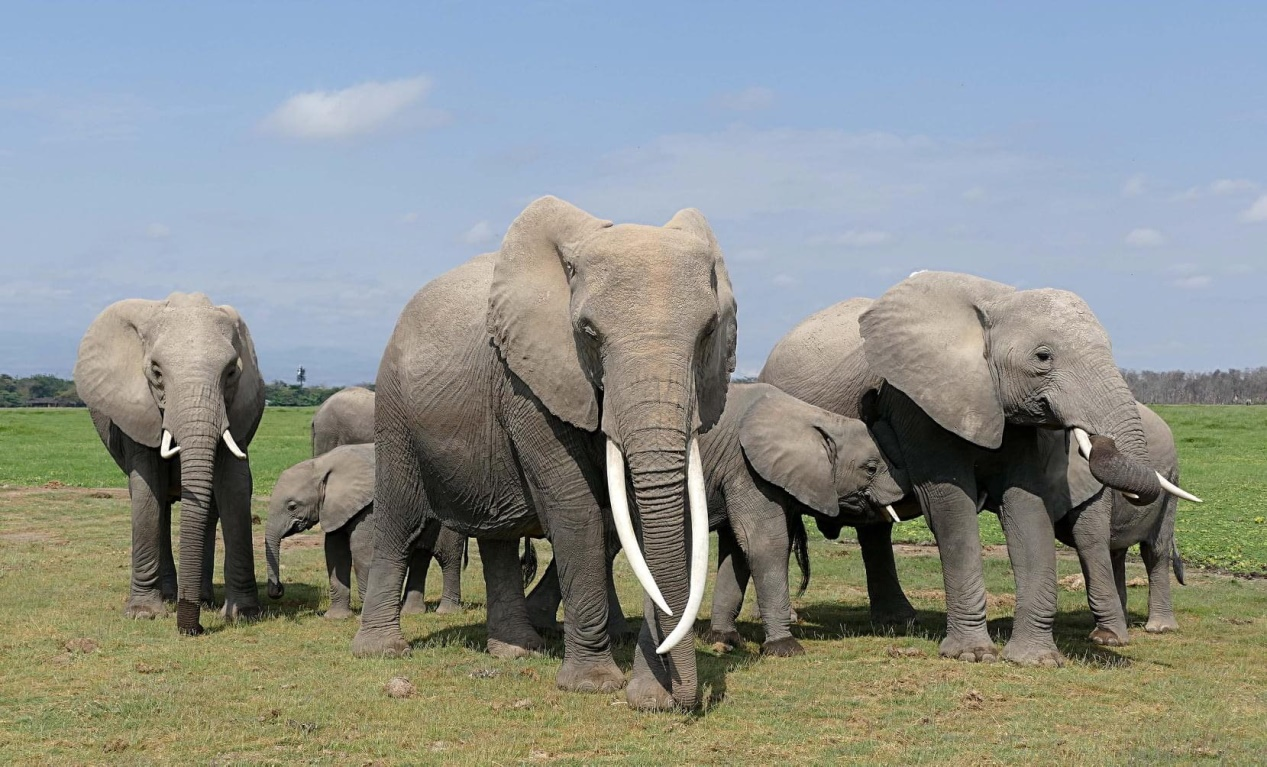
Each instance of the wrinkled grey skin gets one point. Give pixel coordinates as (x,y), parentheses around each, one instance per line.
(495,396)
(347,418)
(188,367)
(968,371)
(1106,526)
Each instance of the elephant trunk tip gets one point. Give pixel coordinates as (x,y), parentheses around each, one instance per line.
(275,590)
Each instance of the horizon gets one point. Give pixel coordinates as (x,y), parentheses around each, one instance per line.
(315,168)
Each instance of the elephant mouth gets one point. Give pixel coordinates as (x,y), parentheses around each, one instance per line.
(1136,482)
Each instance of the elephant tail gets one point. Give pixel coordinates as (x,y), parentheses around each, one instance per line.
(528,562)
(800,547)
(1176,561)
(466,552)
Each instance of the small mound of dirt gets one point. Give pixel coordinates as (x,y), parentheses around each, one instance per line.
(1073,583)
(82,645)
(53,484)
(399,687)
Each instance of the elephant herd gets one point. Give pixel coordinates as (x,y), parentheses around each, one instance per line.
(576,385)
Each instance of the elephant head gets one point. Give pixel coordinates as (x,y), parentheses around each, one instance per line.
(628,329)
(975,355)
(829,463)
(179,375)
(331,489)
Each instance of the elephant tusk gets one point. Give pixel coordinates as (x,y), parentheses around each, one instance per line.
(166,450)
(1132,496)
(233,446)
(698,501)
(1175,490)
(1084,442)
(624,526)
(892,513)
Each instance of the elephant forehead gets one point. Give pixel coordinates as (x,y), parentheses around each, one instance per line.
(640,246)
(1059,312)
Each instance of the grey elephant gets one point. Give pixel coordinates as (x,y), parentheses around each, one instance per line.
(345,418)
(512,393)
(964,372)
(175,393)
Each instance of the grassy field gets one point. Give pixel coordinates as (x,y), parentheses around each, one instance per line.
(80,684)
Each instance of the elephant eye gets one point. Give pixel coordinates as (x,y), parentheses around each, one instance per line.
(710,327)
(588,328)
(156,374)
(569,269)
(291,506)
(872,468)
(1043,354)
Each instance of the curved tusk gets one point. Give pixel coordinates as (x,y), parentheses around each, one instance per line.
(1175,490)
(1132,496)
(233,446)
(892,513)
(697,499)
(166,450)
(624,526)
(1084,442)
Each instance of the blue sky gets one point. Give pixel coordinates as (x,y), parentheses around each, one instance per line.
(315,164)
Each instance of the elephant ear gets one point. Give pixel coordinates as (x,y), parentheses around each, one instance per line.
(927,337)
(346,475)
(717,359)
(247,404)
(790,446)
(110,371)
(529,308)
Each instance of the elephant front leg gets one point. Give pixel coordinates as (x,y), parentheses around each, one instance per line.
(767,548)
(1091,536)
(339,566)
(583,566)
(953,513)
(415,600)
(145,598)
(206,588)
(401,513)
(1031,546)
(510,634)
(1118,556)
(728,591)
(167,562)
(1161,611)
(233,503)
(889,605)
(544,600)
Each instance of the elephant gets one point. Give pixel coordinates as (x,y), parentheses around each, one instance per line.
(175,393)
(346,418)
(958,376)
(514,391)
(336,489)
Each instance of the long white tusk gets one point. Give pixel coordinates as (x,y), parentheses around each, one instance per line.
(697,499)
(1084,442)
(893,513)
(233,446)
(624,526)
(166,450)
(1175,490)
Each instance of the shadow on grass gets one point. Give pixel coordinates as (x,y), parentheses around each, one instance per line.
(299,604)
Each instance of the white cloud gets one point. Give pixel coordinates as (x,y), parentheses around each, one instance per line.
(157,232)
(1224,187)
(785,280)
(1256,212)
(1195,282)
(747,100)
(855,238)
(1134,186)
(1145,238)
(480,234)
(355,111)
(409,218)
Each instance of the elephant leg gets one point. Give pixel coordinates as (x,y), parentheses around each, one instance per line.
(728,591)
(450,547)
(1118,557)
(339,565)
(618,629)
(207,591)
(145,598)
(415,600)
(1031,547)
(361,547)
(582,562)
(889,605)
(232,497)
(1091,535)
(1161,612)
(767,547)
(166,562)
(510,634)
(544,600)
(953,514)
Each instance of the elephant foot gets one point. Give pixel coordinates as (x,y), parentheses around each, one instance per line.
(372,644)
(1033,654)
(1109,637)
(782,648)
(168,591)
(1161,625)
(724,641)
(601,676)
(414,604)
(525,648)
(449,607)
(969,648)
(644,693)
(894,618)
(240,611)
(339,613)
(145,607)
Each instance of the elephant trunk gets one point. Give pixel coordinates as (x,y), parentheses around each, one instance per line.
(278,524)
(1119,450)
(197,420)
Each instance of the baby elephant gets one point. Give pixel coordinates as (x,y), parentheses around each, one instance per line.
(336,489)
(770,459)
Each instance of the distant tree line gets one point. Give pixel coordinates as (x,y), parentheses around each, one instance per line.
(51,391)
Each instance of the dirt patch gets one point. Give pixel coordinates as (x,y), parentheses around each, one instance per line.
(55,486)
(992,601)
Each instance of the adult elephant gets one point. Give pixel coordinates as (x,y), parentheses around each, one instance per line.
(175,393)
(967,371)
(346,418)
(512,393)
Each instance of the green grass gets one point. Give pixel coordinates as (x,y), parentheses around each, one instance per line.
(286,689)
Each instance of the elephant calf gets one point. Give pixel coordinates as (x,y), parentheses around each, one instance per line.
(337,490)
